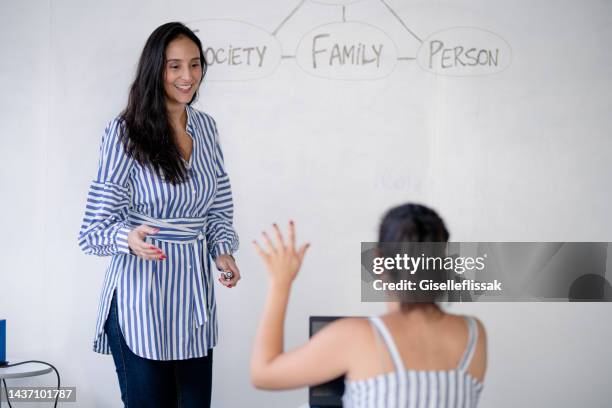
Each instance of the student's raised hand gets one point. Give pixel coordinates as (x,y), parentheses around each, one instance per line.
(282,259)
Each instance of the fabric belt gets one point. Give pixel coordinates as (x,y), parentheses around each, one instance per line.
(183,231)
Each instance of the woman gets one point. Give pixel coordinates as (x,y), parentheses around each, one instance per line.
(160,205)
(416,355)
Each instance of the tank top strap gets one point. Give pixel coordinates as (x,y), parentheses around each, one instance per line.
(386,336)
(464,363)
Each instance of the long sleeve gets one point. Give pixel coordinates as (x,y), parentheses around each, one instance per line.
(220,233)
(104,230)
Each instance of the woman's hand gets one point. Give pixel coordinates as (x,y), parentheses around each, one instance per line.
(282,259)
(137,244)
(226,263)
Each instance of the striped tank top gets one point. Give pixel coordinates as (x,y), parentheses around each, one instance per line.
(404,388)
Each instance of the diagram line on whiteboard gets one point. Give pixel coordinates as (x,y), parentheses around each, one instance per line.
(344,14)
(288,17)
(400,20)
(406,58)
(287,56)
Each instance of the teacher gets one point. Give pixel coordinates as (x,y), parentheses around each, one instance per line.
(161,206)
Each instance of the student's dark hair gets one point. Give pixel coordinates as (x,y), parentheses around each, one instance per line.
(147,134)
(412,223)
(411,229)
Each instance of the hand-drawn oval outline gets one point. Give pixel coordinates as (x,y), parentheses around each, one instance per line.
(370,26)
(491,33)
(275,42)
(335,2)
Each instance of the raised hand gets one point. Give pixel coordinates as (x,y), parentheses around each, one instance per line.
(282,260)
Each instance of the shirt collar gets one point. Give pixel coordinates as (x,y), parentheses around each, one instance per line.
(190,117)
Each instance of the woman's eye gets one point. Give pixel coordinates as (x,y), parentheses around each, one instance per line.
(195,65)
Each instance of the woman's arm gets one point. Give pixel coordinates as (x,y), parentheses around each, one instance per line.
(104,230)
(220,233)
(323,358)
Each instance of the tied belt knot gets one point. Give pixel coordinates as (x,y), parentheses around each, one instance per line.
(183,231)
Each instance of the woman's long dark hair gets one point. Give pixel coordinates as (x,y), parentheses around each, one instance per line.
(147,134)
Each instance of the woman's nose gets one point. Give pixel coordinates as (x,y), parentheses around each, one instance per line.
(186,74)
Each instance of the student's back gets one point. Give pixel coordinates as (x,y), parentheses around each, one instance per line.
(420,358)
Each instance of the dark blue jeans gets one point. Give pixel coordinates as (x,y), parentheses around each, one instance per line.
(152,383)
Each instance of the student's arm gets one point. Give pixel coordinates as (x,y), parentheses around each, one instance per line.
(323,358)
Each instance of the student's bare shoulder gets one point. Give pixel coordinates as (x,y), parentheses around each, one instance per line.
(351,331)
(459,321)
(353,337)
(479,359)
(350,325)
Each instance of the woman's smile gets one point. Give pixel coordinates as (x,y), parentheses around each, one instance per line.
(186,89)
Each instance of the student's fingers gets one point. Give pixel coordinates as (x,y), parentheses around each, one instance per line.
(279,236)
(302,251)
(268,242)
(292,235)
(263,254)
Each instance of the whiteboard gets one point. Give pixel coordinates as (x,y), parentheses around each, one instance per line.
(494,113)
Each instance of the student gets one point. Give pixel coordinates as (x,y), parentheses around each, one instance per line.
(161,206)
(417,355)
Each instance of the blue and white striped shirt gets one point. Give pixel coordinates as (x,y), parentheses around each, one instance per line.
(167,308)
(404,388)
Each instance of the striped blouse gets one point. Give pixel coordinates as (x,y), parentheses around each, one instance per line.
(166,308)
(404,388)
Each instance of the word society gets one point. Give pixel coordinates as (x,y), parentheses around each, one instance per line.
(230,55)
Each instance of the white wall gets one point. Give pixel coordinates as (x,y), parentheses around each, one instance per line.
(521,154)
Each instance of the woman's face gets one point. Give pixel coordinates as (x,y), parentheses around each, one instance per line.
(183,70)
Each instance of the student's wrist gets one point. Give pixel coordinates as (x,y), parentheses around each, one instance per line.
(280,286)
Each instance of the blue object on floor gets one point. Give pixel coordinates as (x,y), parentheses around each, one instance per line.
(2,342)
